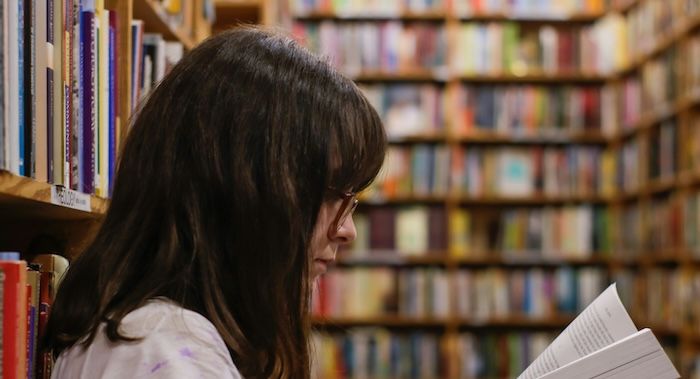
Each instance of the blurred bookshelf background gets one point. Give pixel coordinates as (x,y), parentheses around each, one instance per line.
(539,150)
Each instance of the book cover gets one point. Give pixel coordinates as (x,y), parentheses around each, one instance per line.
(14,319)
(88,90)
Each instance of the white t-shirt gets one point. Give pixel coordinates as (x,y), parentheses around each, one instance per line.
(177,343)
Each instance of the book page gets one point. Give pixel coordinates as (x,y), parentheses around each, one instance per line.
(639,356)
(602,323)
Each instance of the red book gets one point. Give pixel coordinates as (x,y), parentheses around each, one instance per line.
(14,323)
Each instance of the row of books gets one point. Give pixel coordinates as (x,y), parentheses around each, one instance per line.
(528,233)
(410,230)
(434,170)
(386,46)
(663,151)
(476,295)
(527,171)
(497,48)
(650,21)
(414,170)
(532,110)
(358,293)
(152,58)
(514,110)
(609,44)
(61,107)
(477,357)
(690,145)
(463,8)
(377,353)
(531,233)
(492,48)
(535,293)
(651,91)
(525,110)
(664,224)
(178,14)
(693,59)
(26,294)
(408,109)
(658,296)
(628,159)
(61,76)
(660,79)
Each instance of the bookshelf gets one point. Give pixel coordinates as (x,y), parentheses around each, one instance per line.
(640,202)
(28,198)
(53,205)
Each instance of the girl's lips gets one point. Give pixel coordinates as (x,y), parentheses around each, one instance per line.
(321,265)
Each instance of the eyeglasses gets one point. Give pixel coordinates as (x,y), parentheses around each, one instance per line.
(347,207)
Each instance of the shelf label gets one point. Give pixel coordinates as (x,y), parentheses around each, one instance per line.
(68,198)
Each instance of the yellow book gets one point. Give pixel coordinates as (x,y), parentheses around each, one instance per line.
(460,225)
(102,146)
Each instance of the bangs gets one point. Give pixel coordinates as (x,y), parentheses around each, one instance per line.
(358,144)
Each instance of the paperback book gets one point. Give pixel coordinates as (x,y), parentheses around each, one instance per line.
(603,342)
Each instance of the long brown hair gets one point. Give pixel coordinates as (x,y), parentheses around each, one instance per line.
(216,196)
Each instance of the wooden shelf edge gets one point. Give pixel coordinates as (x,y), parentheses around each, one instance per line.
(441,15)
(554,322)
(27,191)
(238,3)
(353,16)
(662,44)
(150,12)
(534,139)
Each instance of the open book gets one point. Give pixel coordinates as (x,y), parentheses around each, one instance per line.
(602,342)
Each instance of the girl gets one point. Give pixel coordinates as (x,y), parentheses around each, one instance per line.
(234,191)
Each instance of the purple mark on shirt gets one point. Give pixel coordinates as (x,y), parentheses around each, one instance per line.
(158,366)
(186,352)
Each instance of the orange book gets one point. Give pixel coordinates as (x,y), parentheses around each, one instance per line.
(14,323)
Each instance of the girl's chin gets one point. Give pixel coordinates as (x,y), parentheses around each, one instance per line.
(319,268)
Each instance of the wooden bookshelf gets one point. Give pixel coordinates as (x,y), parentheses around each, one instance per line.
(387,321)
(534,78)
(400,16)
(374,258)
(518,322)
(637,261)
(24,198)
(425,138)
(400,76)
(152,14)
(543,139)
(529,200)
(532,18)
(624,5)
(661,45)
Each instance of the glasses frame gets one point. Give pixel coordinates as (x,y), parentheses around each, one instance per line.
(347,208)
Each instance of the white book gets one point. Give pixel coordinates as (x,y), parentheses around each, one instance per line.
(603,342)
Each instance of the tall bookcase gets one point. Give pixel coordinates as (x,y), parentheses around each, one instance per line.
(43,217)
(616,180)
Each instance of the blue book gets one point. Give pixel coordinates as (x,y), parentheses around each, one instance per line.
(88,41)
(113,110)
(20,60)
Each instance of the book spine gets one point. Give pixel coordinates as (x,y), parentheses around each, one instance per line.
(113,103)
(75,126)
(3,85)
(50,94)
(30,94)
(14,319)
(21,123)
(88,41)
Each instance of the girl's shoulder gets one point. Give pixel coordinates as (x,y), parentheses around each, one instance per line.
(171,342)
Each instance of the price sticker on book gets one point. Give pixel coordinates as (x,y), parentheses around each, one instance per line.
(68,198)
